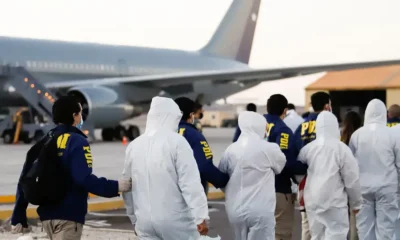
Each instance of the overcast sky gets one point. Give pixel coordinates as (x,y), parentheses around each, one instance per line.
(289,33)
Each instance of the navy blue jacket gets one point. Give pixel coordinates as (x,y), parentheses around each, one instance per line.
(203,155)
(278,132)
(76,156)
(393,121)
(306,132)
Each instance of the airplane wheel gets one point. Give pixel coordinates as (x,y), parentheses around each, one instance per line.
(8,137)
(119,132)
(107,134)
(133,132)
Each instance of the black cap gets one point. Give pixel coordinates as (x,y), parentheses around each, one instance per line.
(186,105)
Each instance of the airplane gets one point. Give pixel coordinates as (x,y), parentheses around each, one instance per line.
(116,83)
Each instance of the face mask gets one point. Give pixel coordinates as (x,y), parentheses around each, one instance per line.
(79,125)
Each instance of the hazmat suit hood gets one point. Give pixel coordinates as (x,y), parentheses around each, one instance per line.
(375,112)
(252,124)
(164,113)
(327,126)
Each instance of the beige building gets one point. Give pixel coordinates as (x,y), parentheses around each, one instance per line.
(214,118)
(355,88)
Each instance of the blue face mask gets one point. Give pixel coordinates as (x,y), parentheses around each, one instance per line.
(79,125)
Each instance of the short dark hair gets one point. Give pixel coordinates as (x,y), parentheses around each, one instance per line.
(276,104)
(319,100)
(251,107)
(197,107)
(394,110)
(64,109)
(186,105)
(291,106)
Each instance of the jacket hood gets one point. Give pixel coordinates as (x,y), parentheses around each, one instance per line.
(252,124)
(291,112)
(375,112)
(164,113)
(327,126)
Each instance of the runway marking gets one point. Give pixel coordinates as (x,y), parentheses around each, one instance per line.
(213,210)
(99,223)
(216,202)
(98,214)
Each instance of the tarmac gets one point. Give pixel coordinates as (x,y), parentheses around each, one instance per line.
(108,216)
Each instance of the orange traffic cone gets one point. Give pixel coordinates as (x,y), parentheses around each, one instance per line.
(124,140)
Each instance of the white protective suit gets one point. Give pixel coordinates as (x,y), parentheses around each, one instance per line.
(378,157)
(167,200)
(396,132)
(293,120)
(332,181)
(252,163)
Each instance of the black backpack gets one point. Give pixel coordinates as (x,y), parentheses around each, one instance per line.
(44,178)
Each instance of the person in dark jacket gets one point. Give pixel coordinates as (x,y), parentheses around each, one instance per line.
(250,107)
(393,115)
(201,149)
(278,132)
(65,219)
(198,115)
(304,134)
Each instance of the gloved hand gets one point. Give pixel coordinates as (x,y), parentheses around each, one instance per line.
(202,228)
(19,229)
(124,184)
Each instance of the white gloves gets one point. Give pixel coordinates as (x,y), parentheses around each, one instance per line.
(19,229)
(124,184)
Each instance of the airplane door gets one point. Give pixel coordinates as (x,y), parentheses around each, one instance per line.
(122,67)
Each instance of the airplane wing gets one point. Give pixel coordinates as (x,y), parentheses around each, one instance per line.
(220,76)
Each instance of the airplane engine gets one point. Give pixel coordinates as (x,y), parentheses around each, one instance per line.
(105,108)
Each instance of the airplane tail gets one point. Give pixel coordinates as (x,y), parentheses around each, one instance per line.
(234,36)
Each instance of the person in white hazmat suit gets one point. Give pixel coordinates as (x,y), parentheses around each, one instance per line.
(252,163)
(167,200)
(292,119)
(378,156)
(332,181)
(396,132)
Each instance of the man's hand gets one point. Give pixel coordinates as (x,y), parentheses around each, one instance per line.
(19,229)
(355,211)
(124,184)
(202,228)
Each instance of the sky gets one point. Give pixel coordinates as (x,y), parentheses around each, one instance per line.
(288,33)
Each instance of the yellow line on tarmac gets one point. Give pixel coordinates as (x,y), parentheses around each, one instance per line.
(92,207)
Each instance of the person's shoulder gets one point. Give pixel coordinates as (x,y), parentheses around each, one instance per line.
(283,128)
(77,139)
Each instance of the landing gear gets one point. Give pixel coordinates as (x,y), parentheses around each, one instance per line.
(132,132)
(119,132)
(107,134)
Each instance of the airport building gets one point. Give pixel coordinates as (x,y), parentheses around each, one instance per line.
(353,89)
